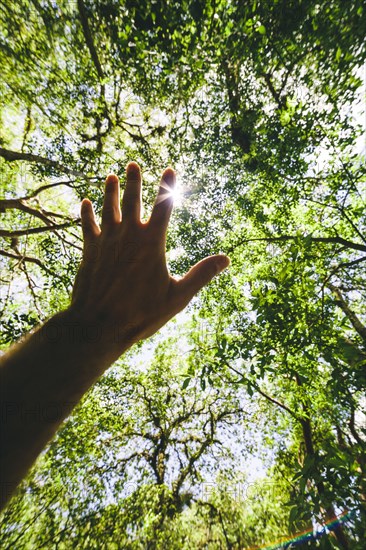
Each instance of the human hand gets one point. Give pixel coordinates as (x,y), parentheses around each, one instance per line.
(123,284)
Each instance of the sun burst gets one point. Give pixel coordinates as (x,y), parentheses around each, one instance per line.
(169,193)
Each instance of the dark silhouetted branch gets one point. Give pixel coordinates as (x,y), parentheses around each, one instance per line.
(29,157)
(34,230)
(284,238)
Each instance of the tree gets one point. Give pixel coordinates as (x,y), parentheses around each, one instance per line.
(257,105)
(145,456)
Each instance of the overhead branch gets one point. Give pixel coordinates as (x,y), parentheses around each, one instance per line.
(98,66)
(30,259)
(352,224)
(327,507)
(68,183)
(352,427)
(284,238)
(359,327)
(344,265)
(214,511)
(191,462)
(24,96)
(274,93)
(351,177)
(18,204)
(42,188)
(119,465)
(67,242)
(29,522)
(238,133)
(149,403)
(27,126)
(136,137)
(278,403)
(89,38)
(339,208)
(265,395)
(31,285)
(34,230)
(29,157)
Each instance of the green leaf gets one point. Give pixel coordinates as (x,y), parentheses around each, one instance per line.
(294,512)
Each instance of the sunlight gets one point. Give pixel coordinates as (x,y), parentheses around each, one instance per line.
(168,192)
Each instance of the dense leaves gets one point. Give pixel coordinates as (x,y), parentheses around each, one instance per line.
(259,106)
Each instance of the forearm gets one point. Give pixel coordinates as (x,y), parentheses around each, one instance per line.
(42,379)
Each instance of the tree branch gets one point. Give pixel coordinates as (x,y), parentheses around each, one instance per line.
(29,259)
(29,157)
(359,327)
(274,94)
(34,230)
(344,265)
(23,267)
(89,38)
(352,427)
(284,238)
(18,204)
(278,403)
(47,186)
(238,133)
(268,397)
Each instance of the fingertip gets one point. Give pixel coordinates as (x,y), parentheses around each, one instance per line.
(86,206)
(132,167)
(222,262)
(169,175)
(111,178)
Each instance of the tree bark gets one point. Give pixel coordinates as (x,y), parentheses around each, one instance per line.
(329,510)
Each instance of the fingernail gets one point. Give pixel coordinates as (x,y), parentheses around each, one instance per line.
(222,262)
(169,176)
(132,167)
(112,177)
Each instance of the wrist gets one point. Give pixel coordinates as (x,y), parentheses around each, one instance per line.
(103,339)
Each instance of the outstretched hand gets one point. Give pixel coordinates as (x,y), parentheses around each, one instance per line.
(123,284)
(123,293)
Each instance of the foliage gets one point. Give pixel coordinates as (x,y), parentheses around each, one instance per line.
(259,106)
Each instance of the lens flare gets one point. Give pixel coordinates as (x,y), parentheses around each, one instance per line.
(168,192)
(308,535)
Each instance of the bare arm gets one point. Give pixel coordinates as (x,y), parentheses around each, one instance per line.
(123,293)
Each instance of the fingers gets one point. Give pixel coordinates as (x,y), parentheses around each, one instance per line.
(131,203)
(199,276)
(111,211)
(164,201)
(89,225)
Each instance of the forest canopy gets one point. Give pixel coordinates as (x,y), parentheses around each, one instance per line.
(241,424)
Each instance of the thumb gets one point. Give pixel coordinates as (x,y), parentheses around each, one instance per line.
(200,275)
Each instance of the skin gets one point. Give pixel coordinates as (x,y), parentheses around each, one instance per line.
(123,293)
